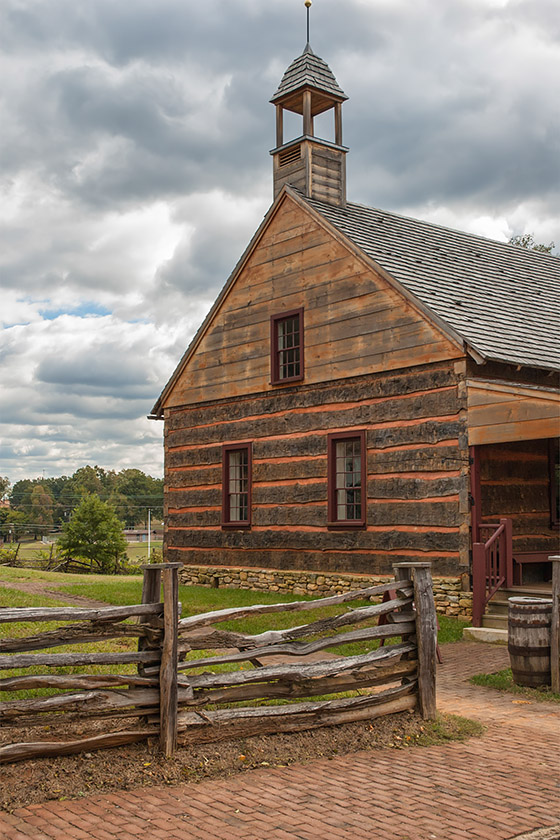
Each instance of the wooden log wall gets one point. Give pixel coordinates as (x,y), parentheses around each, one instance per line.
(417,475)
(515,483)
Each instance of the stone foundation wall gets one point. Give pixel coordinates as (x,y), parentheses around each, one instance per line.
(448,592)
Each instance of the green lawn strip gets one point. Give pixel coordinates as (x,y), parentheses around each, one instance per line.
(443,729)
(503,681)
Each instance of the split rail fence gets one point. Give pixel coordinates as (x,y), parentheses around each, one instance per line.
(182,701)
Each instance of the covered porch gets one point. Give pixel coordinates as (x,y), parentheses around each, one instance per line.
(514,469)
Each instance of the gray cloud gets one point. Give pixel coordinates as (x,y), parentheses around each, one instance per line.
(134,169)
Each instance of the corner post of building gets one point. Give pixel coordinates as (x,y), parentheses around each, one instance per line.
(555,626)
(426,633)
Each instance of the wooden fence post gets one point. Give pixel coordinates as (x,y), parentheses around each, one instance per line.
(555,626)
(151,590)
(168,667)
(426,632)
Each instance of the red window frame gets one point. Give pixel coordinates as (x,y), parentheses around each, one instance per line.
(334,519)
(245,465)
(278,363)
(554,478)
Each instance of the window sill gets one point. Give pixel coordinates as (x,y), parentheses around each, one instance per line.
(236,526)
(349,525)
(287,381)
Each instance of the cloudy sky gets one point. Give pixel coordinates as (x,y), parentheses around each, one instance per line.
(134,169)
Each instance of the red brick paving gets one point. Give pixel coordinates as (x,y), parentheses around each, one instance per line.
(489,788)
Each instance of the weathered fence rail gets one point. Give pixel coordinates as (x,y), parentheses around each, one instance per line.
(181,700)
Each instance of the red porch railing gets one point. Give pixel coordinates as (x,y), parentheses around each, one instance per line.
(492,565)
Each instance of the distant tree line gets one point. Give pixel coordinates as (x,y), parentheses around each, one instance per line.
(39,505)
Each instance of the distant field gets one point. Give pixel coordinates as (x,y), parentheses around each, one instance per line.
(36,550)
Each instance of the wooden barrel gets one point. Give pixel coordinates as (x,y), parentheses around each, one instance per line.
(529,621)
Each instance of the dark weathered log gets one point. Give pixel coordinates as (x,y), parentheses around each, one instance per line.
(412,380)
(44,749)
(88,702)
(299,672)
(79,633)
(77,613)
(88,682)
(59,660)
(203,619)
(195,641)
(354,681)
(168,667)
(303,649)
(284,721)
(426,635)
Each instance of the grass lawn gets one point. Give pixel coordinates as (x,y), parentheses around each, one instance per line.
(503,681)
(35,551)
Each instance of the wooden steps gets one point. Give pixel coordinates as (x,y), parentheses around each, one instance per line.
(496,615)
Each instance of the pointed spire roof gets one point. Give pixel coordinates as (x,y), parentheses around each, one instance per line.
(308,70)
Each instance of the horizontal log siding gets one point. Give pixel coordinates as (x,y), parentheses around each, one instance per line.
(417,467)
(514,482)
(355,322)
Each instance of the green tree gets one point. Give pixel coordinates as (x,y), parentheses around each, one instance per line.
(135,493)
(4,486)
(94,534)
(42,508)
(527,241)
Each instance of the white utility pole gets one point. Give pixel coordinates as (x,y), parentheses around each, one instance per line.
(149,531)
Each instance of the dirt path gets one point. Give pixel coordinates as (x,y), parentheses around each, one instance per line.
(42,589)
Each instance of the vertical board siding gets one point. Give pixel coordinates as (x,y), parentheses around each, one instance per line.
(514,483)
(417,471)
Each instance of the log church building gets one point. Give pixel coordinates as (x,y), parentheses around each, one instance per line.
(366,389)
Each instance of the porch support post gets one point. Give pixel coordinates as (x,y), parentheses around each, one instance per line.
(478,582)
(508,534)
(555,626)
(475,493)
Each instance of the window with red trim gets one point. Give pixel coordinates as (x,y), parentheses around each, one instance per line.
(347,479)
(286,346)
(236,485)
(554,467)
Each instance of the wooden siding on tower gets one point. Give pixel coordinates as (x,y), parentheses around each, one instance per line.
(355,322)
(417,474)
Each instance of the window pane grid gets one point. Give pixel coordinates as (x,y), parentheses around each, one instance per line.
(288,347)
(238,485)
(348,480)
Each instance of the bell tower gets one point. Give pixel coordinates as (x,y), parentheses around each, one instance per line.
(314,166)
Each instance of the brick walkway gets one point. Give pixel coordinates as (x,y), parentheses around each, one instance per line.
(494,787)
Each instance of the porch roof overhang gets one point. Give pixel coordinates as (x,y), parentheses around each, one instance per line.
(501,411)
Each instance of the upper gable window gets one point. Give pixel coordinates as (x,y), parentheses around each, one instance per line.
(286,346)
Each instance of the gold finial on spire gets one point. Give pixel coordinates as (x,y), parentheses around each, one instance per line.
(307,6)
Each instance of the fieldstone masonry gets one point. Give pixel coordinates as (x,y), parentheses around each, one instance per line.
(448,591)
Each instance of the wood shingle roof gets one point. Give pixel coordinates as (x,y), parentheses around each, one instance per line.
(503,300)
(308,69)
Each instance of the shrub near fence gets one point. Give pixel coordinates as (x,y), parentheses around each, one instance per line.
(182,706)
